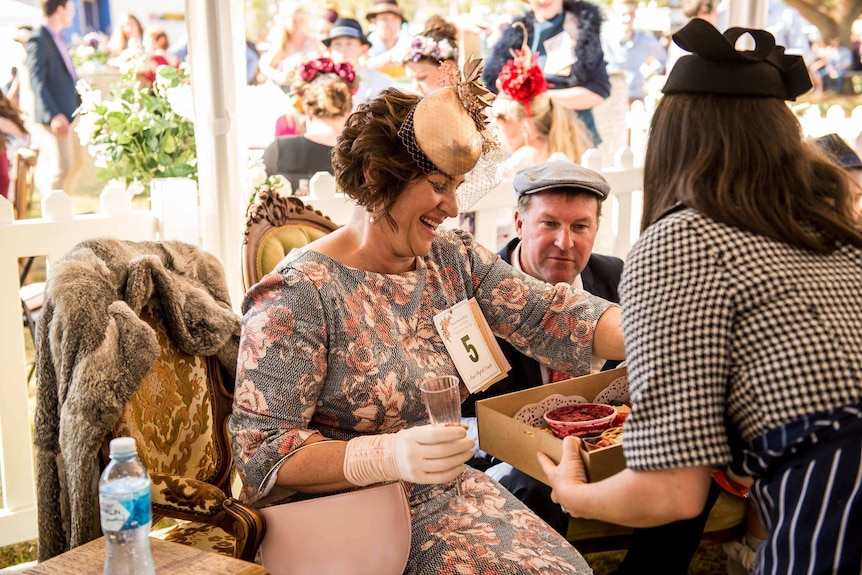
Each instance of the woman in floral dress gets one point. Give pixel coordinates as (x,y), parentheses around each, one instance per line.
(338,337)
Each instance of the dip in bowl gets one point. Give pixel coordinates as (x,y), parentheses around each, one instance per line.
(581,419)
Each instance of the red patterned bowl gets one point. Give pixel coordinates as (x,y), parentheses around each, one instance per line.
(580,419)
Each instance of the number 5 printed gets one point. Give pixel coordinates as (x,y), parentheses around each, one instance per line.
(472,353)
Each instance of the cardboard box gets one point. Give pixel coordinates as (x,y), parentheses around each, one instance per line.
(517,443)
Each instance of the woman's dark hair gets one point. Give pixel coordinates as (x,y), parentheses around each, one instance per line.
(11,112)
(744,162)
(51,6)
(370,162)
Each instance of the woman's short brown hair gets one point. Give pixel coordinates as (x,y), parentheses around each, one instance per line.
(327,96)
(370,162)
(743,161)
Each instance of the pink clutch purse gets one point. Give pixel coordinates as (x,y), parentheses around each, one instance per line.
(361,532)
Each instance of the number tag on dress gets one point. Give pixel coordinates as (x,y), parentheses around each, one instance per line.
(471,345)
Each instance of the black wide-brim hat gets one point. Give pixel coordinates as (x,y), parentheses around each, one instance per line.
(346,28)
(715,66)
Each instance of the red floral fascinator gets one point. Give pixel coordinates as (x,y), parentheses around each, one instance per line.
(310,70)
(521,77)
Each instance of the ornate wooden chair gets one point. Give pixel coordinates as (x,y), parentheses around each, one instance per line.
(32,294)
(178,416)
(274,225)
(24,171)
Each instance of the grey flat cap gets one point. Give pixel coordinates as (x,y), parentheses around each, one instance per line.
(557,174)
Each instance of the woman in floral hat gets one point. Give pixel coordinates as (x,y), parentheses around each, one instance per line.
(322,92)
(337,339)
(533,125)
(566,34)
(431,53)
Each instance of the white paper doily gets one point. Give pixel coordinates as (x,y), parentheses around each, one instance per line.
(617,390)
(532,413)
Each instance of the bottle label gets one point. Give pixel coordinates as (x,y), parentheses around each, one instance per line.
(125,504)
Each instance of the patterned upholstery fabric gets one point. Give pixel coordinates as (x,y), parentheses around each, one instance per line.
(200,536)
(171,417)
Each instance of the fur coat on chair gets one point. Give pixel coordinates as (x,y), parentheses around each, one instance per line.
(93,351)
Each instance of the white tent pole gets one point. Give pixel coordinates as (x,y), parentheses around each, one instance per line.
(747,13)
(216,55)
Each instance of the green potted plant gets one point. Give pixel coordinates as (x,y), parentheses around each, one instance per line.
(137,134)
(144,138)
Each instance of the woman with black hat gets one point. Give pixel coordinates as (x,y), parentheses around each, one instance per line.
(348,43)
(742,316)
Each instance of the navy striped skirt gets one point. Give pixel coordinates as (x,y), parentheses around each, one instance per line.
(809,494)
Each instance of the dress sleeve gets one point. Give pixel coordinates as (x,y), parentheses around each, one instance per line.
(677,319)
(281,369)
(553,324)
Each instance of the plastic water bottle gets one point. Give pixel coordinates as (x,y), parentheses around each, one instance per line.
(126,512)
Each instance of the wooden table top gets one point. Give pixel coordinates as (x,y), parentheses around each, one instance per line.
(169,557)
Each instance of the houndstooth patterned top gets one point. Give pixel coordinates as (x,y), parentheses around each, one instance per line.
(729,335)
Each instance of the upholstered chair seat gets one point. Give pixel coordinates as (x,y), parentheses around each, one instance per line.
(178,416)
(275,225)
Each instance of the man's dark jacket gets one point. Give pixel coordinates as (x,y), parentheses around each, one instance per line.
(601,277)
(52,84)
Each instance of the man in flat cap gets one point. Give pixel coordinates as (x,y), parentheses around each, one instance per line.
(845,157)
(559,207)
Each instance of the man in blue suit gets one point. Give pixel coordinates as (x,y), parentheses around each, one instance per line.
(52,79)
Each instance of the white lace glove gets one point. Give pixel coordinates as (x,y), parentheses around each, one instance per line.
(425,454)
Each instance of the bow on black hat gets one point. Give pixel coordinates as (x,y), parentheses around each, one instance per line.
(717,67)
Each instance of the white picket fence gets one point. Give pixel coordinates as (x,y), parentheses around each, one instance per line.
(51,236)
(815,123)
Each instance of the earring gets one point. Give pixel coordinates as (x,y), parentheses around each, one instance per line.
(371,220)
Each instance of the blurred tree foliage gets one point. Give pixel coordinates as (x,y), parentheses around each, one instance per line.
(832,17)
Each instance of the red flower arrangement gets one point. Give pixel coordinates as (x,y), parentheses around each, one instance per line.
(522,79)
(313,68)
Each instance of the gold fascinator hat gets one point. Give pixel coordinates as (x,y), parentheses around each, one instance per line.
(448,132)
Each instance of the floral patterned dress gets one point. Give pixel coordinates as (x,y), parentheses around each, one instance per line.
(339,352)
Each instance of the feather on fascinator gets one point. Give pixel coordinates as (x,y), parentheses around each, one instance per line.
(521,78)
(447,132)
(717,67)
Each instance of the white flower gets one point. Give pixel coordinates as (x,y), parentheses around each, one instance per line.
(447,51)
(280,185)
(115,106)
(131,64)
(87,127)
(256,176)
(180,100)
(90,98)
(136,188)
